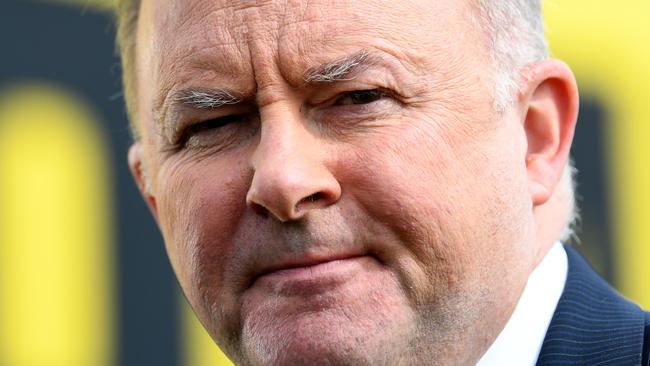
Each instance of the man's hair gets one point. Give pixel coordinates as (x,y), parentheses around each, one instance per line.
(127,13)
(515,33)
(514,30)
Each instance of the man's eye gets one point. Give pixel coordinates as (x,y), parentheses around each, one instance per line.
(360,97)
(205,132)
(211,124)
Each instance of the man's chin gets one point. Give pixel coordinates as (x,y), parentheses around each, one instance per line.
(321,338)
(349,323)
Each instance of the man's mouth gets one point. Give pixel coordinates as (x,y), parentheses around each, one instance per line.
(310,275)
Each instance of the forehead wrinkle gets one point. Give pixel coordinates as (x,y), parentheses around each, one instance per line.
(309,37)
(306,38)
(212,39)
(246,31)
(205,67)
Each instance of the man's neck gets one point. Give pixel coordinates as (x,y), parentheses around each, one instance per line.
(521,339)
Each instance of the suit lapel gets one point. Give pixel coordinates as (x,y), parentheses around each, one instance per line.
(592,325)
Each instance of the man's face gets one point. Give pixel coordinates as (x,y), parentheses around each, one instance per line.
(332,183)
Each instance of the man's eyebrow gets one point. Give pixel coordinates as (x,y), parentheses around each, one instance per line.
(341,69)
(206,98)
(193,98)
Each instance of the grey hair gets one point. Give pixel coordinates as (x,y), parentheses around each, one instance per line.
(515,30)
(208,99)
(338,70)
(516,37)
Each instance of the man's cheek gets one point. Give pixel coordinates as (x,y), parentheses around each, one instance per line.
(201,225)
(189,213)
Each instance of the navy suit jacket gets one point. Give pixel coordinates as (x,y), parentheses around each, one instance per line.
(593,324)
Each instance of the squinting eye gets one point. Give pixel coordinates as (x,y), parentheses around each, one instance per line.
(195,131)
(213,123)
(360,97)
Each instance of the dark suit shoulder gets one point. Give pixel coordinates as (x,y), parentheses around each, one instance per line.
(593,324)
(646,341)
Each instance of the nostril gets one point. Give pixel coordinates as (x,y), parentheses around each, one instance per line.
(259,209)
(312,198)
(310,201)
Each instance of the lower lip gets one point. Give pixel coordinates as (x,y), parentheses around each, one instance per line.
(312,279)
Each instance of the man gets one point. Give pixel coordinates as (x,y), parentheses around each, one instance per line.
(368,183)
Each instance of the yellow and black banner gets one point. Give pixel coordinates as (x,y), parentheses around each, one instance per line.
(84,279)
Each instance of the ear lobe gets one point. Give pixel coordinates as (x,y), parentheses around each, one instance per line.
(138,170)
(550,117)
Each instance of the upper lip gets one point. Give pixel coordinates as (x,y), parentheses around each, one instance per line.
(298,262)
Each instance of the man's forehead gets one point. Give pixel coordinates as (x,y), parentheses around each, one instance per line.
(189,25)
(229,43)
(224,22)
(240,12)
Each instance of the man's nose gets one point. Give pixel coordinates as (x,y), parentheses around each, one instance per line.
(292,171)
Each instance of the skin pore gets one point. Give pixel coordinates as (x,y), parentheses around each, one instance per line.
(332,182)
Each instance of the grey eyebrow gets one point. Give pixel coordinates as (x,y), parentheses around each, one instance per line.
(207,99)
(341,69)
(200,98)
(338,70)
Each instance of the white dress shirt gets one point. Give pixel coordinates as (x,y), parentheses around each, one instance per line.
(520,341)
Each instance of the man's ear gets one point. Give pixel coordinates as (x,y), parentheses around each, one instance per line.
(550,100)
(138,169)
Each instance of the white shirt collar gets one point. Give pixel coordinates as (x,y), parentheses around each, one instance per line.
(520,341)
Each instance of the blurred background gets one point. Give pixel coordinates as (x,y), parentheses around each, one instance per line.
(84,280)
